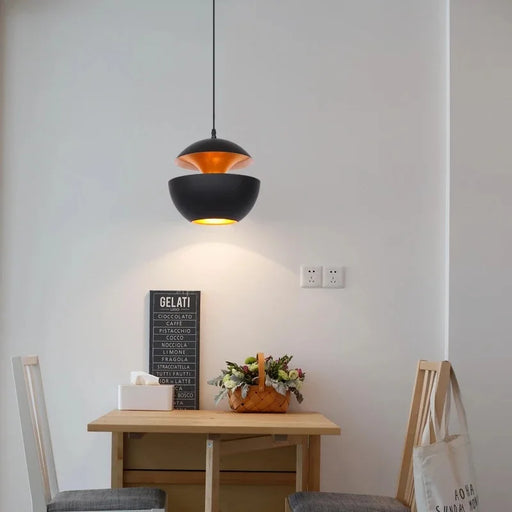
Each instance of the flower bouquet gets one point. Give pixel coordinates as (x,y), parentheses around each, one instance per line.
(260,384)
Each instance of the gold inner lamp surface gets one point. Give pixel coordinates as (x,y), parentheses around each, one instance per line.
(214,222)
(214,162)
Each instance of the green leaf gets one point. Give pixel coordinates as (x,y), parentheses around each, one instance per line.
(222,393)
(217,381)
(237,380)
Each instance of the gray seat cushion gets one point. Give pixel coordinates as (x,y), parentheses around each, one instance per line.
(338,502)
(128,498)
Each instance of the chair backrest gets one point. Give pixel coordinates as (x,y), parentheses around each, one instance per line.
(429,376)
(36,431)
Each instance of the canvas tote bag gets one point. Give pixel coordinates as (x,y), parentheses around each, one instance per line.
(444,478)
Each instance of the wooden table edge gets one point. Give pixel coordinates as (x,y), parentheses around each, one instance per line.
(166,429)
(106,424)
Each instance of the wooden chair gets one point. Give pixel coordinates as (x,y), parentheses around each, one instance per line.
(429,376)
(41,467)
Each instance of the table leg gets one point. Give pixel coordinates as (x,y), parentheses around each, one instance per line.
(117,469)
(212,476)
(301,465)
(314,463)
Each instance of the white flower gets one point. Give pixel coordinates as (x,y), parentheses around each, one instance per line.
(229,384)
(283,375)
(294,374)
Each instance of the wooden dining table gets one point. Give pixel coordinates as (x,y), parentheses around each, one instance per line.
(166,447)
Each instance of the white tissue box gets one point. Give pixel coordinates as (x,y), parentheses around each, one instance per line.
(145,398)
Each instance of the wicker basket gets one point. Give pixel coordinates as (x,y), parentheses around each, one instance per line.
(260,398)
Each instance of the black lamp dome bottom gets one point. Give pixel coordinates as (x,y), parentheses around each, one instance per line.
(214,199)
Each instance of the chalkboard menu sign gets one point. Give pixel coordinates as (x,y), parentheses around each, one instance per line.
(174,343)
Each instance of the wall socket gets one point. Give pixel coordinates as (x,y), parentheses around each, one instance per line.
(310,276)
(333,277)
(315,276)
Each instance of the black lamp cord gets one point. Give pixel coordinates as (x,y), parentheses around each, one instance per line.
(214,132)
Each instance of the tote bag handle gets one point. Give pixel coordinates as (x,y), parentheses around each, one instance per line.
(459,407)
(440,427)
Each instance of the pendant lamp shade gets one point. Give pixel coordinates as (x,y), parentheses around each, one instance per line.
(213,156)
(214,197)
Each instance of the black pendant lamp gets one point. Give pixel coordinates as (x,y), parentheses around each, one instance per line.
(214,197)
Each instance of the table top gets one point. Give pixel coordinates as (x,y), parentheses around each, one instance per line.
(214,422)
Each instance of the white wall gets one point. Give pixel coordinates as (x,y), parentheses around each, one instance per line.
(481,235)
(341,103)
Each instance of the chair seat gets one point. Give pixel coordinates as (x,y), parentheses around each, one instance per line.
(338,502)
(130,498)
